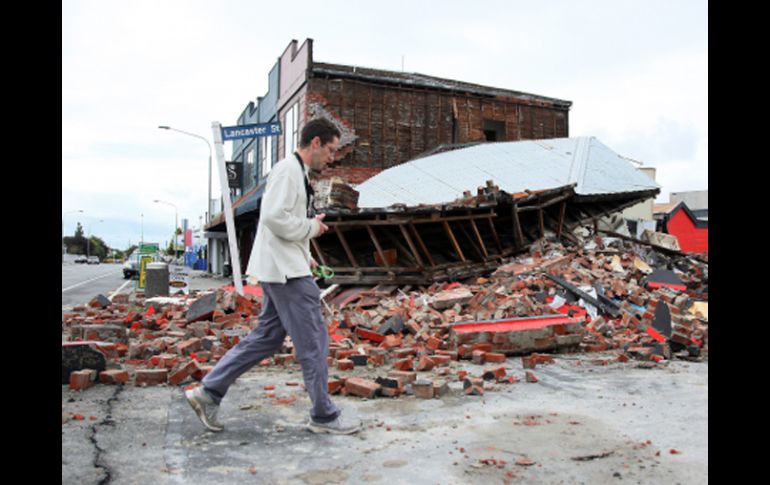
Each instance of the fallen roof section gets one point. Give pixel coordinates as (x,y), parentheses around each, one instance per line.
(517,166)
(419,222)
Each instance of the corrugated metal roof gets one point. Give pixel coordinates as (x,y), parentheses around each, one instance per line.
(513,166)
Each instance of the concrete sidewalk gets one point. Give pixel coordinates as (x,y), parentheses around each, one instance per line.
(581,423)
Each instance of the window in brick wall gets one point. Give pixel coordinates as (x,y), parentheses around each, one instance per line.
(494,130)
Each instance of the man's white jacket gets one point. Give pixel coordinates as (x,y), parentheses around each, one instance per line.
(282,246)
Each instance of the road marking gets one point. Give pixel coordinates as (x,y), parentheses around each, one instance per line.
(118,290)
(87,281)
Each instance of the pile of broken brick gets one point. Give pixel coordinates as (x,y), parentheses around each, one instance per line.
(609,295)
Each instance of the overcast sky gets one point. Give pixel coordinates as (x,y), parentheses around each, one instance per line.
(635,71)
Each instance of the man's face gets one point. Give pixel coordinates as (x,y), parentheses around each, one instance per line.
(323,154)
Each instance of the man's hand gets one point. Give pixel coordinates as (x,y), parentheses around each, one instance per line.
(324,227)
(313,264)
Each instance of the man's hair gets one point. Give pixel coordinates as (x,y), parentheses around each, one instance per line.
(319,127)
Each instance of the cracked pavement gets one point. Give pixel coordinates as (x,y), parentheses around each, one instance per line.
(582,423)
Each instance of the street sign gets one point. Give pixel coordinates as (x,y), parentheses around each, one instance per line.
(178,280)
(148,248)
(250,131)
(234,174)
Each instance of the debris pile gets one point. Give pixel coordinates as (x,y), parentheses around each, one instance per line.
(610,294)
(158,341)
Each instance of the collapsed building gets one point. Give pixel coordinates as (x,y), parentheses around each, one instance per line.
(385,117)
(462,211)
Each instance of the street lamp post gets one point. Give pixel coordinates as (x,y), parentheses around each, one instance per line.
(62,230)
(208,201)
(176,219)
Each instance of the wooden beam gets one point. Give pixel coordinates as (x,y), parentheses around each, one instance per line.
(400,219)
(422,244)
(561,218)
(416,253)
(377,245)
(542,225)
(473,244)
(318,252)
(481,241)
(517,225)
(494,233)
(378,269)
(345,246)
(406,252)
(454,241)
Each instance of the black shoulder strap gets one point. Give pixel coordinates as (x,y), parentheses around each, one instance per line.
(308,188)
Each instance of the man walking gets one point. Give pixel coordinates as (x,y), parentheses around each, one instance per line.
(281,262)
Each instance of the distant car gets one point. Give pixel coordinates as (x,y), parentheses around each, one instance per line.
(81,259)
(93,260)
(131,266)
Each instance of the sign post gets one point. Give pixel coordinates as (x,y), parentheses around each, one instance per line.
(234,133)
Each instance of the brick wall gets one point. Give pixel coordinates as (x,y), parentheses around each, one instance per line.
(384,126)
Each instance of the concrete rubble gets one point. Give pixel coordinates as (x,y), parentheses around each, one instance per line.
(389,341)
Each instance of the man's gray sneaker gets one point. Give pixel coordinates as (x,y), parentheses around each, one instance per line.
(205,407)
(338,426)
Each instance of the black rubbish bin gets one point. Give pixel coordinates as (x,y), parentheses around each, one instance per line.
(227,270)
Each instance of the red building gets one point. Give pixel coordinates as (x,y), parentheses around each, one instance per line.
(693,233)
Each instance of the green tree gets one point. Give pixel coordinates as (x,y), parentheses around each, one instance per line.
(79,231)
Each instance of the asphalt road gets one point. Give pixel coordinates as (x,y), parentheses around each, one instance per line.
(583,423)
(82,282)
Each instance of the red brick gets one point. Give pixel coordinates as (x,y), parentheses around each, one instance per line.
(433,343)
(403,376)
(391,341)
(344,354)
(345,364)
(531,377)
(189,346)
(543,358)
(413,327)
(376,359)
(361,387)
(404,364)
(473,387)
(402,353)
(283,359)
(452,354)
(595,348)
(494,357)
(423,389)
(335,386)
(151,377)
(493,373)
(482,346)
(113,376)
(425,363)
(82,379)
(464,351)
(183,372)
(529,362)
(478,357)
(440,388)
(202,371)
(441,360)
(391,391)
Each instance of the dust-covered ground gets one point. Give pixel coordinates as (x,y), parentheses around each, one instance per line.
(583,422)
